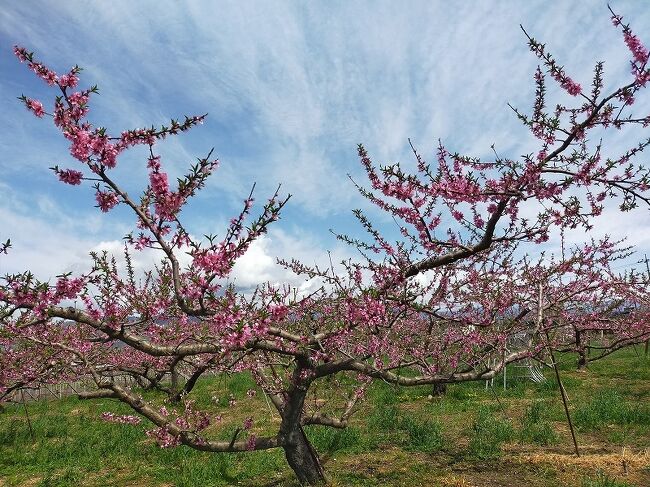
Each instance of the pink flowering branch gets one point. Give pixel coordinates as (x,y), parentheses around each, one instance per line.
(452,301)
(484,198)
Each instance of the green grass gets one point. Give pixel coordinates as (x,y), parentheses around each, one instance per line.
(422,434)
(75,447)
(607,408)
(535,428)
(330,440)
(601,479)
(400,437)
(489,431)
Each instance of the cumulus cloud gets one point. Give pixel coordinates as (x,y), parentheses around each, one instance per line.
(259,264)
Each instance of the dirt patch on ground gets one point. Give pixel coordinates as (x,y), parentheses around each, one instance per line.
(29,482)
(532,468)
(626,465)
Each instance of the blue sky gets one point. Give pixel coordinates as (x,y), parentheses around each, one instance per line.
(290,88)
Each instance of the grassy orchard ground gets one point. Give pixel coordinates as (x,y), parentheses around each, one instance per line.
(401,438)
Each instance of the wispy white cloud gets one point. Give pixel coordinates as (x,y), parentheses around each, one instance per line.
(291,88)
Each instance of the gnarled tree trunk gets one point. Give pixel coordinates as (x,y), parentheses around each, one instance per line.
(300,454)
(302,457)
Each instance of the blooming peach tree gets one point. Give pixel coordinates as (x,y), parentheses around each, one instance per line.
(442,305)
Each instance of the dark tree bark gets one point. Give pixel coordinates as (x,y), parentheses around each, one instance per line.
(300,454)
(582,349)
(582,360)
(302,457)
(439,389)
